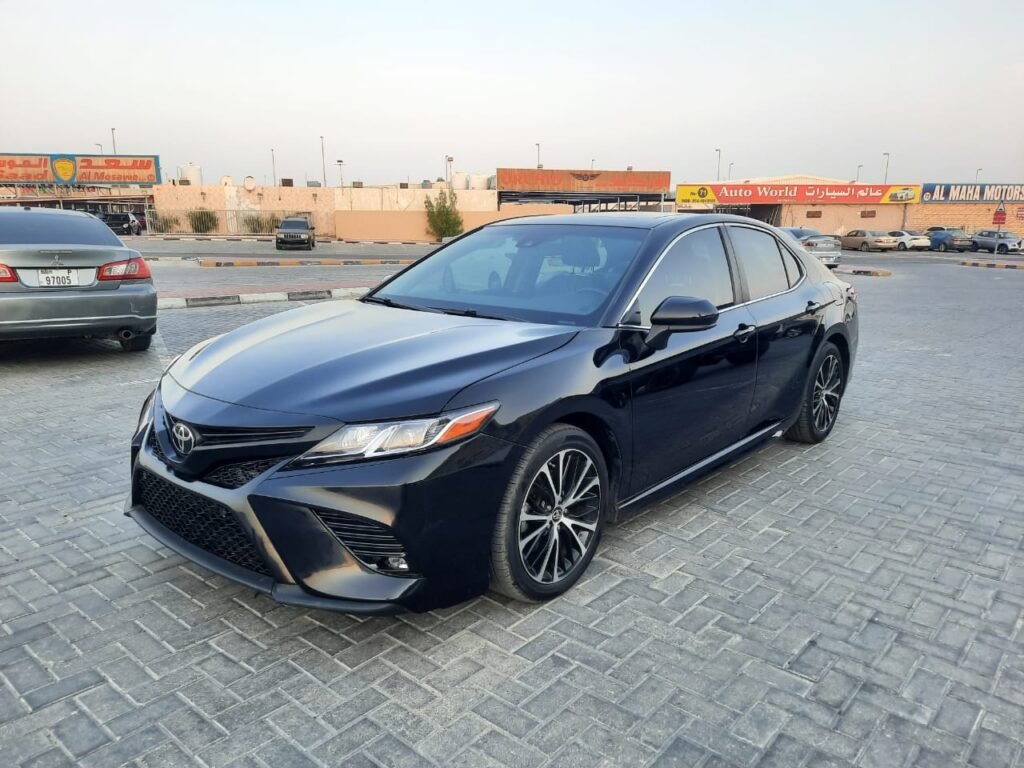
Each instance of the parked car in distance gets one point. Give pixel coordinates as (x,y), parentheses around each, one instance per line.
(475,421)
(121,223)
(868,240)
(911,240)
(140,216)
(950,240)
(826,248)
(995,241)
(63,273)
(295,232)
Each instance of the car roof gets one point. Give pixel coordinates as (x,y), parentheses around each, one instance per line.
(638,220)
(25,211)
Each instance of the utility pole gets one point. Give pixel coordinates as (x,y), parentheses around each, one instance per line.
(323,160)
(728,176)
(977,173)
(885,177)
(113,140)
(861,165)
(538,155)
(273,165)
(341,180)
(100,146)
(718,173)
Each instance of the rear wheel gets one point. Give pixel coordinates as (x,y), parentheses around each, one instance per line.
(942,248)
(974,247)
(901,247)
(137,343)
(822,397)
(551,518)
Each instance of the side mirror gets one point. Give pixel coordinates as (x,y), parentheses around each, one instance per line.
(679,314)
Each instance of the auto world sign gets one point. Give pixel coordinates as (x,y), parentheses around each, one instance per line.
(972,193)
(115,170)
(761,194)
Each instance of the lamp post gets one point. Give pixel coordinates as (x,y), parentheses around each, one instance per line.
(100,147)
(728,174)
(448,160)
(591,163)
(323,160)
(977,173)
(341,180)
(113,140)
(273,166)
(718,173)
(885,176)
(859,166)
(538,155)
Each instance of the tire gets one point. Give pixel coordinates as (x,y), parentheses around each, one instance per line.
(864,247)
(942,248)
(1002,249)
(901,247)
(529,484)
(137,343)
(808,428)
(277,247)
(974,247)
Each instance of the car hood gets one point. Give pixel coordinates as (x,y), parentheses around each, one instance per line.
(352,361)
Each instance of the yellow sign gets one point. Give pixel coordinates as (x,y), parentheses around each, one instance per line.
(695,193)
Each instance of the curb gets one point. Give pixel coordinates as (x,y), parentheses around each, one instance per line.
(234,299)
(993,264)
(868,271)
(302,262)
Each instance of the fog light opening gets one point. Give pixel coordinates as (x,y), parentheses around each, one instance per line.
(396,564)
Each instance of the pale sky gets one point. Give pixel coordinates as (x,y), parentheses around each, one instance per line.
(781,87)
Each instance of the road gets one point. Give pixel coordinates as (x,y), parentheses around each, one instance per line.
(856,603)
(209,248)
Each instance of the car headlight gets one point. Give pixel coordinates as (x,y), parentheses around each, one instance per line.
(146,414)
(366,441)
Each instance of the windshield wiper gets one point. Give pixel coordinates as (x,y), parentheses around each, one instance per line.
(467,313)
(397,304)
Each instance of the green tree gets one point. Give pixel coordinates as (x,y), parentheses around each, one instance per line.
(443,217)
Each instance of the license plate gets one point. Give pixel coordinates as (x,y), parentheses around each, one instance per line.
(57,278)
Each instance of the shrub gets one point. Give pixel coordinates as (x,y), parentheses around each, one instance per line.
(257,224)
(443,217)
(202,220)
(161,222)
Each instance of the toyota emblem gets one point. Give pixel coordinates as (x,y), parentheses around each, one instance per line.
(183,438)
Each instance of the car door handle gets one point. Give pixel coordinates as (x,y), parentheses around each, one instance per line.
(744,332)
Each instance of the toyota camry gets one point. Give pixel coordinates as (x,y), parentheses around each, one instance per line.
(478,419)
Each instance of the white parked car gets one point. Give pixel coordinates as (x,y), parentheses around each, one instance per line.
(911,240)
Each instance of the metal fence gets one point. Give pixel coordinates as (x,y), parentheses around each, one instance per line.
(203,221)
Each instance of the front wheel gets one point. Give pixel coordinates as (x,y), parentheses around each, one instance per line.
(864,247)
(1002,249)
(551,518)
(822,397)
(901,247)
(942,248)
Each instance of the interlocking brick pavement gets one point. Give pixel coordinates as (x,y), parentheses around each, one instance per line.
(854,603)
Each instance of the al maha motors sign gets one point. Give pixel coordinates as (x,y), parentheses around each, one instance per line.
(767,194)
(972,193)
(79,169)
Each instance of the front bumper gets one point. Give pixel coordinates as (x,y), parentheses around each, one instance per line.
(293,242)
(42,314)
(439,506)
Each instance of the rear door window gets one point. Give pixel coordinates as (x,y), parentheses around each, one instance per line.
(760,260)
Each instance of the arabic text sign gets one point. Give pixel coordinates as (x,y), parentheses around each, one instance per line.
(972,193)
(609,182)
(79,169)
(757,194)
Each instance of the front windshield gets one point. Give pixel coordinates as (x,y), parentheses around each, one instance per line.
(294,224)
(547,273)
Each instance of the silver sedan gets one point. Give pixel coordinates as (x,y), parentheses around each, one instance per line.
(64,273)
(868,240)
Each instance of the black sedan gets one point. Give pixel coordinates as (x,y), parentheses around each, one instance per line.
(478,419)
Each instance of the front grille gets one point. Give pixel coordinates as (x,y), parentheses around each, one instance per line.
(154,446)
(238,474)
(210,435)
(200,521)
(371,542)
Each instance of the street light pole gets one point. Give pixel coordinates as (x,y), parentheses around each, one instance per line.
(341,180)
(728,176)
(323,160)
(859,166)
(976,174)
(273,166)
(113,140)
(100,146)
(591,163)
(538,154)
(885,178)
(718,173)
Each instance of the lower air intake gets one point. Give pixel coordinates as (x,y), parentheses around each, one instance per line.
(372,543)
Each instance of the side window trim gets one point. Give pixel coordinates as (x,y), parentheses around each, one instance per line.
(738,291)
(781,245)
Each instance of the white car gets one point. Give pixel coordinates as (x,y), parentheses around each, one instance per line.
(911,240)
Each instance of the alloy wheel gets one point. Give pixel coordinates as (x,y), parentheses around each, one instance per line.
(827,391)
(559,517)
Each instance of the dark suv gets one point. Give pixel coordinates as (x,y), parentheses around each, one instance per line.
(295,232)
(121,223)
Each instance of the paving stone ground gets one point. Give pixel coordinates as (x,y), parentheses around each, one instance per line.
(854,603)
